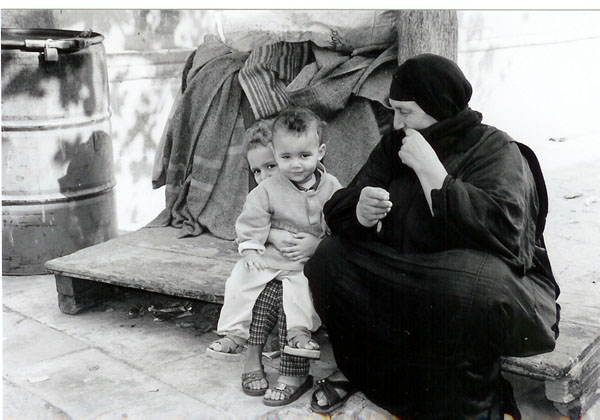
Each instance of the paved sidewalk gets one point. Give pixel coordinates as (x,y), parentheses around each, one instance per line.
(103,364)
(107,364)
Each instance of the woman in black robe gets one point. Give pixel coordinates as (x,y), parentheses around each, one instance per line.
(436,264)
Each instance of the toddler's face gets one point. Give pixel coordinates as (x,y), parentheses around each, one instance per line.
(297,156)
(262,163)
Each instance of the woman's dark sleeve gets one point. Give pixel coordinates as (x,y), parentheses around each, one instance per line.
(492,206)
(340,210)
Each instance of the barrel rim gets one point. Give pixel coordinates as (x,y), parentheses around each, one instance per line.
(66,40)
(62,197)
(30,124)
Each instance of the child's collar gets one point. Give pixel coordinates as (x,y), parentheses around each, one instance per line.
(315,184)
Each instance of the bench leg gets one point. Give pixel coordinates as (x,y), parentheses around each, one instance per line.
(571,410)
(75,294)
(565,394)
(575,393)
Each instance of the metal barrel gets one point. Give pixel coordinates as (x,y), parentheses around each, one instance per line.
(57,160)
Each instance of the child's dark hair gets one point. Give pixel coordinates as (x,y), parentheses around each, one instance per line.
(299,121)
(259,134)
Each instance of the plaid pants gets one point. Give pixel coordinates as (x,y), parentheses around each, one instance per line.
(267,312)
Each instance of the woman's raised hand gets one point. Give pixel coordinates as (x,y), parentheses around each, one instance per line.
(417,153)
(373,205)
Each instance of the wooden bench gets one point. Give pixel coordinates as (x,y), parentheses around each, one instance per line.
(153,259)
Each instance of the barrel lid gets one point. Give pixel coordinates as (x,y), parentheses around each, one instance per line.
(38,39)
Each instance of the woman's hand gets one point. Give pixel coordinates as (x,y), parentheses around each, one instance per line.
(280,238)
(373,205)
(302,247)
(253,260)
(417,153)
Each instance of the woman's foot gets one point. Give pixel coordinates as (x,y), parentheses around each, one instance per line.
(253,378)
(332,392)
(288,389)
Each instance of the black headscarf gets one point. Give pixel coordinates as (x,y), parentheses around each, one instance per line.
(434,82)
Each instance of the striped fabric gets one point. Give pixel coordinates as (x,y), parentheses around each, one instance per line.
(267,72)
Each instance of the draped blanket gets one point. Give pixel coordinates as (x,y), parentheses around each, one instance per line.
(202,151)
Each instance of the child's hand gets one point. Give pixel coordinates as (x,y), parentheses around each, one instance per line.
(280,238)
(253,261)
(302,247)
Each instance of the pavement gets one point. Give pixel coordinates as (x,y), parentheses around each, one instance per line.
(121,361)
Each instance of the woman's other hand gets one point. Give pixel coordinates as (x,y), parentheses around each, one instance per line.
(373,205)
(302,247)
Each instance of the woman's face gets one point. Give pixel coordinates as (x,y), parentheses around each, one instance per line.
(408,114)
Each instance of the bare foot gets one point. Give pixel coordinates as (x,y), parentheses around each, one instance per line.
(254,363)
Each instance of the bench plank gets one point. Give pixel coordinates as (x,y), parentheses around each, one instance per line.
(153,259)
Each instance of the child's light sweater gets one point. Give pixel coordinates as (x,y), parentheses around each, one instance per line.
(276,202)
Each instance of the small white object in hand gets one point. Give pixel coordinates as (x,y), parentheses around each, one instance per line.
(38,379)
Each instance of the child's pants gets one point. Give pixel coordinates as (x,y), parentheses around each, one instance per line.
(268,312)
(242,289)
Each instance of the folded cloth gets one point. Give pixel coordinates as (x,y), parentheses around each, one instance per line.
(266,73)
(204,149)
(161,155)
(328,91)
(338,87)
(228,195)
(327,88)
(334,86)
(350,136)
(375,81)
(210,49)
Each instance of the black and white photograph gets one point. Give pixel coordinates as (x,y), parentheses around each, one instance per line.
(313,212)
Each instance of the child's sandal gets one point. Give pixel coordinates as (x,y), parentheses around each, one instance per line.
(230,349)
(249,377)
(297,346)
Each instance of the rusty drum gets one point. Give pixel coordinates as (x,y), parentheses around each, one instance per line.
(57,160)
